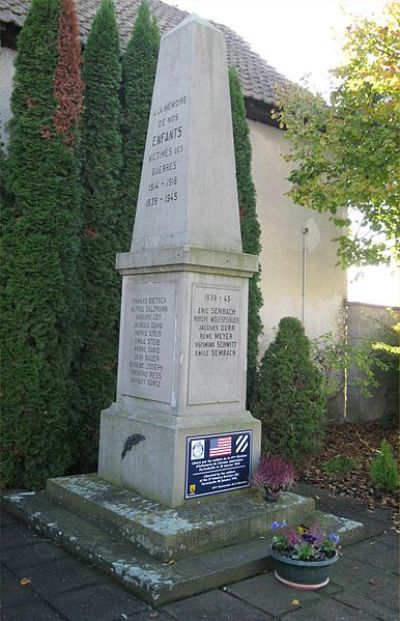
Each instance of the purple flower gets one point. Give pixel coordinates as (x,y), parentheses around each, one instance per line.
(293,538)
(277,524)
(334,537)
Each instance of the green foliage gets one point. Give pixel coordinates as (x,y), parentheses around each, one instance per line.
(40,244)
(138,73)
(250,227)
(348,154)
(101,171)
(339,465)
(384,470)
(291,398)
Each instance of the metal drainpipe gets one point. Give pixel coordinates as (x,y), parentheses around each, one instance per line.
(304,231)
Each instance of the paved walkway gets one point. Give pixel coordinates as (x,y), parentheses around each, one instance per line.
(42,582)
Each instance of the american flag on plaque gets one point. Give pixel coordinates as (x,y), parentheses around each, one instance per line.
(220,446)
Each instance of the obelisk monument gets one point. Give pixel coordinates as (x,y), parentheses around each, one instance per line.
(179,429)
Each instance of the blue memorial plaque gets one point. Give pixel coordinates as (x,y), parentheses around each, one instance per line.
(219,463)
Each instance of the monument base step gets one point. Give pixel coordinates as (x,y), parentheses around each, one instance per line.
(154,581)
(171,534)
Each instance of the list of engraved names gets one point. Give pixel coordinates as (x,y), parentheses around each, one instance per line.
(165,152)
(150,315)
(215,342)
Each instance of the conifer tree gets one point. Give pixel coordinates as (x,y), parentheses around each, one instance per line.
(101,170)
(40,246)
(291,399)
(250,227)
(138,72)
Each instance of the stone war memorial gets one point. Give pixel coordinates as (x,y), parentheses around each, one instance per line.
(170,512)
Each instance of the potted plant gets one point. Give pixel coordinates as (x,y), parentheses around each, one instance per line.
(274,474)
(302,557)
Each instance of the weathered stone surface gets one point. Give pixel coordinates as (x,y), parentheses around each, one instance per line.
(175,533)
(183,340)
(154,581)
(348,530)
(188,194)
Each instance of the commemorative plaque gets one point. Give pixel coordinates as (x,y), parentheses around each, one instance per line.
(219,463)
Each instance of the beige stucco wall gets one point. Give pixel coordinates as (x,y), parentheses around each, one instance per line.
(7,57)
(282,223)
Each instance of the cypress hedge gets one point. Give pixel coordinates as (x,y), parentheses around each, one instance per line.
(101,171)
(138,72)
(291,399)
(250,227)
(40,248)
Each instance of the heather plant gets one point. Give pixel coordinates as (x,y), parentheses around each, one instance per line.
(249,225)
(291,397)
(100,241)
(273,473)
(384,470)
(40,300)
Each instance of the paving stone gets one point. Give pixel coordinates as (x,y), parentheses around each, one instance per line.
(35,554)
(102,602)
(213,606)
(17,535)
(379,585)
(389,538)
(361,602)
(12,593)
(329,609)
(59,576)
(7,519)
(149,615)
(376,554)
(36,611)
(267,593)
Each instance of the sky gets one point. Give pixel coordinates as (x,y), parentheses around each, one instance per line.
(303,38)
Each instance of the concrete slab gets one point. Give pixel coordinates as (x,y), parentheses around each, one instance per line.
(266,593)
(332,610)
(212,606)
(376,554)
(65,574)
(101,602)
(378,585)
(35,554)
(172,534)
(349,531)
(35,611)
(359,601)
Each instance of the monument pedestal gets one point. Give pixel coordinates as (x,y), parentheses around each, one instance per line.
(181,385)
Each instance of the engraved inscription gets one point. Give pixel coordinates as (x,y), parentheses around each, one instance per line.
(147,360)
(215,332)
(165,151)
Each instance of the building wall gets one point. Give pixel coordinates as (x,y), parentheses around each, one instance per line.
(367,323)
(282,224)
(7,57)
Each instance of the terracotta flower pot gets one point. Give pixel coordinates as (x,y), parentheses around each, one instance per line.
(302,575)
